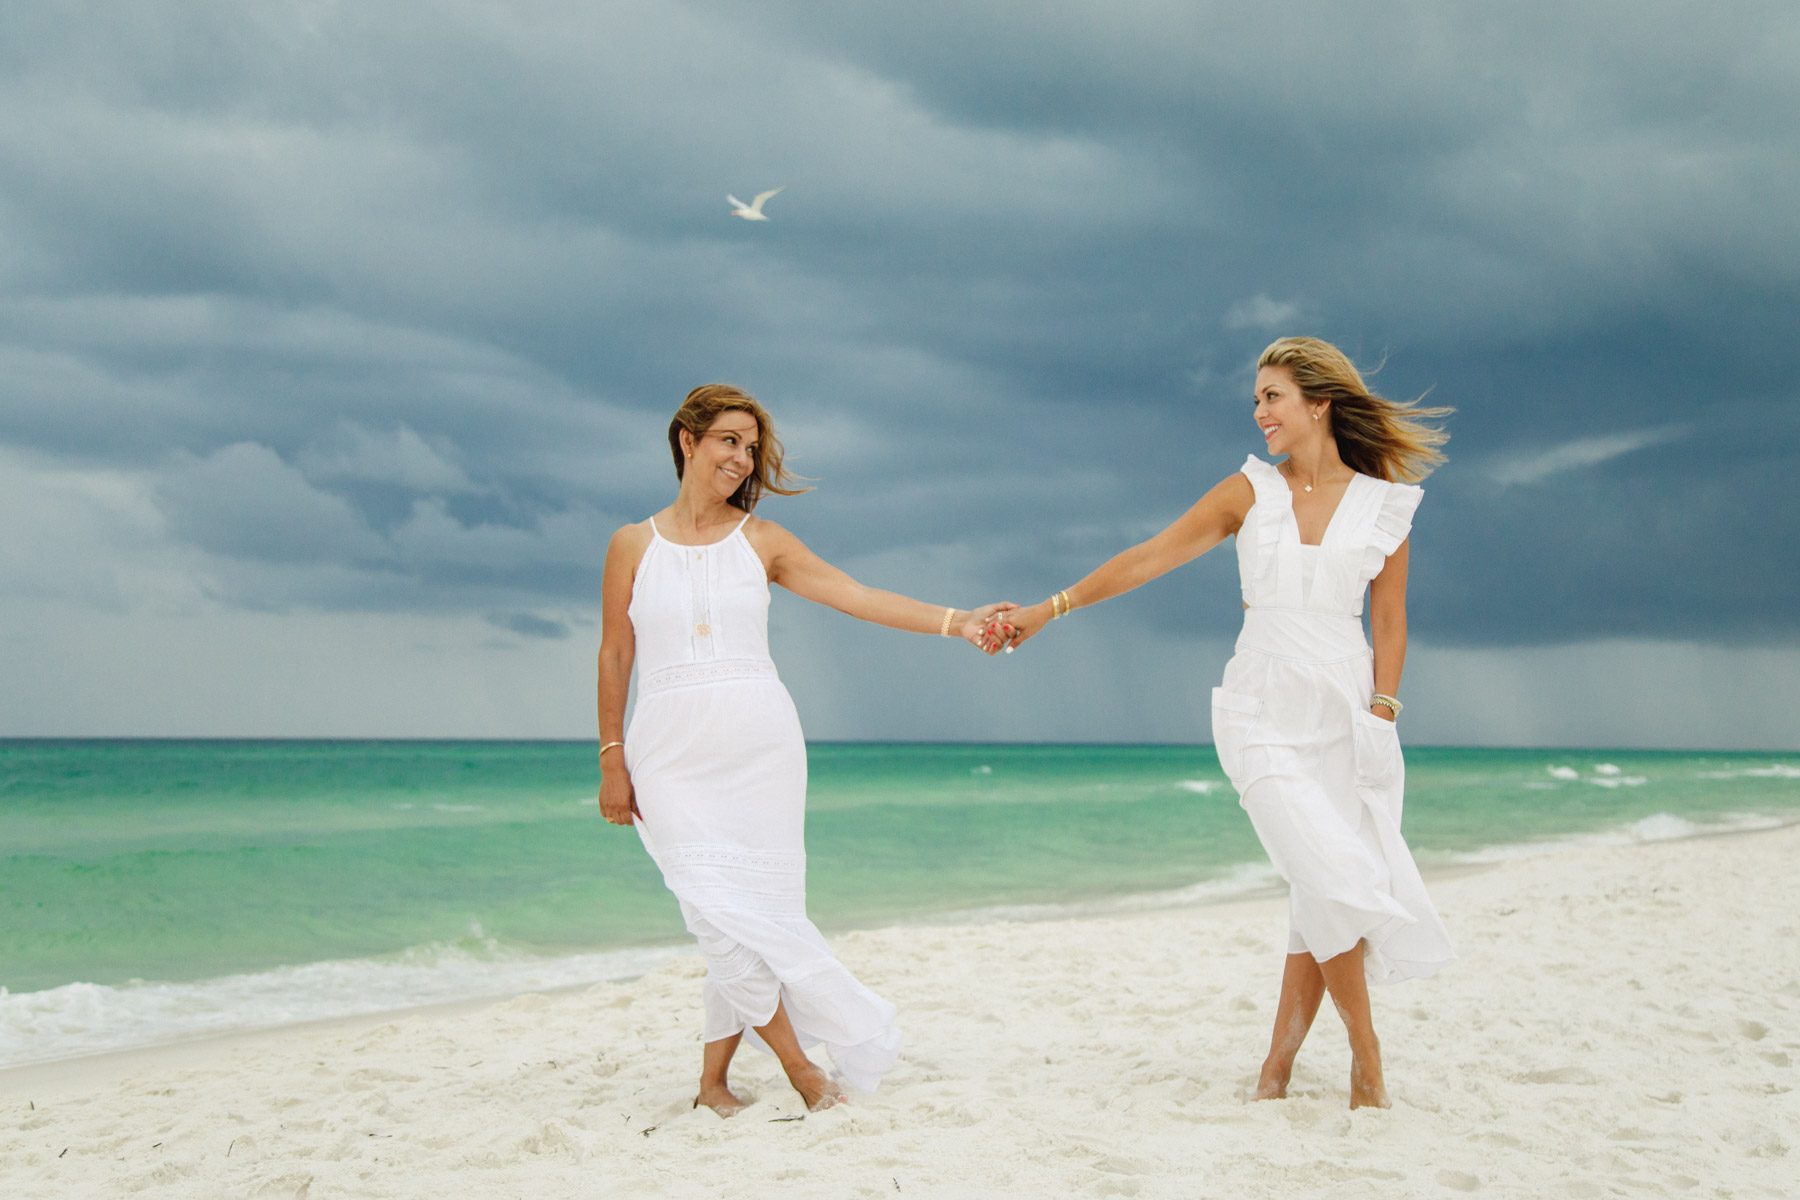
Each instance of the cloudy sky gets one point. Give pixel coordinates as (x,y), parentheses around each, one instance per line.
(336,339)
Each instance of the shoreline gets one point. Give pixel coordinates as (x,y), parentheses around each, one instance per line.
(56,1076)
(114,1063)
(20,1078)
(1254,901)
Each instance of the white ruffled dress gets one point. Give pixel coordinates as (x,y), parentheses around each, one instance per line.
(718,763)
(1321,777)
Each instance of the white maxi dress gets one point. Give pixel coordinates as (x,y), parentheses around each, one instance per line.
(718,764)
(1321,777)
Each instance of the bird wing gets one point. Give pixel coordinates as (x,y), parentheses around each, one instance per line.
(734,201)
(756,205)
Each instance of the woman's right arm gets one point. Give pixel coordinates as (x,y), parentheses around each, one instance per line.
(1213,518)
(618,649)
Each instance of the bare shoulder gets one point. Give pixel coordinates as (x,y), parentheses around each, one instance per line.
(767,541)
(629,543)
(765,534)
(1233,494)
(1220,513)
(1236,488)
(771,541)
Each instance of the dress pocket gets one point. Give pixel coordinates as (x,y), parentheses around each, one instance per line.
(1379,763)
(1233,714)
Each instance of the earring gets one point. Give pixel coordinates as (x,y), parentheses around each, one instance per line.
(1315,416)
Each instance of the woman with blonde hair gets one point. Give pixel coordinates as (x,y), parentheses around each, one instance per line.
(713,768)
(1305,721)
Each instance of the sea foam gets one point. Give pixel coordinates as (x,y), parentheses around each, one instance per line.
(1776,771)
(1245,879)
(1658,827)
(79,1019)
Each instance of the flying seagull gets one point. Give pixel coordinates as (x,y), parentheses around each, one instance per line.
(752,211)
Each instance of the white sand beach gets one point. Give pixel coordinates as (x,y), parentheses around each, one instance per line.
(1623,1022)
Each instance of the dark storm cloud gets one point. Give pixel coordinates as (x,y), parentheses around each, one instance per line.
(390,303)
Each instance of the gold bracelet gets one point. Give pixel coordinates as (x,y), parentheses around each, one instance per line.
(1392,705)
(609,746)
(949,616)
(1059,605)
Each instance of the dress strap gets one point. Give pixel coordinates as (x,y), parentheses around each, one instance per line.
(1357,510)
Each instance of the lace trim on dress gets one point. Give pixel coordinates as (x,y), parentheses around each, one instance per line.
(717,880)
(708,855)
(699,674)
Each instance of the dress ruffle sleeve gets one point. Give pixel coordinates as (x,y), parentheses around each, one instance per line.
(1393,521)
(1265,480)
(1259,539)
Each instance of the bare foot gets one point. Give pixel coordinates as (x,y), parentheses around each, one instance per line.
(815,1087)
(1272,1083)
(1366,1087)
(719,1098)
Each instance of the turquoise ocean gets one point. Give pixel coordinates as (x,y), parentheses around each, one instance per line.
(153,891)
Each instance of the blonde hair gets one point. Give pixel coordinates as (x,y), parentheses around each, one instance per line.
(1388,439)
(704,405)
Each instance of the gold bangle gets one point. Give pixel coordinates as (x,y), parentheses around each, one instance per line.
(1059,605)
(609,746)
(1391,704)
(949,616)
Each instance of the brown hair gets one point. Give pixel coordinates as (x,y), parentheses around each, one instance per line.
(1388,439)
(704,405)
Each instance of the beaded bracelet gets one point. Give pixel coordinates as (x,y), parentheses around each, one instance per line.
(1393,705)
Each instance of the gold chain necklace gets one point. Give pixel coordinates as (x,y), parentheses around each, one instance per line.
(1309,487)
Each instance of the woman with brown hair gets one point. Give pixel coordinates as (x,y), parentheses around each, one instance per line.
(1304,724)
(713,768)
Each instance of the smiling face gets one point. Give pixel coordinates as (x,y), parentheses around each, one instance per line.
(1284,414)
(720,459)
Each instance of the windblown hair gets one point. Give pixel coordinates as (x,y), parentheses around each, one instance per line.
(1388,439)
(703,406)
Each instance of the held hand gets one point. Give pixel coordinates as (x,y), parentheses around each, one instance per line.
(1382,711)
(1021,623)
(980,629)
(618,799)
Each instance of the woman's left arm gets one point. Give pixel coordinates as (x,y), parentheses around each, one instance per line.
(795,567)
(1387,626)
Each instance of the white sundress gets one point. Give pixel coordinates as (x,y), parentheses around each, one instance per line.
(1321,777)
(718,764)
